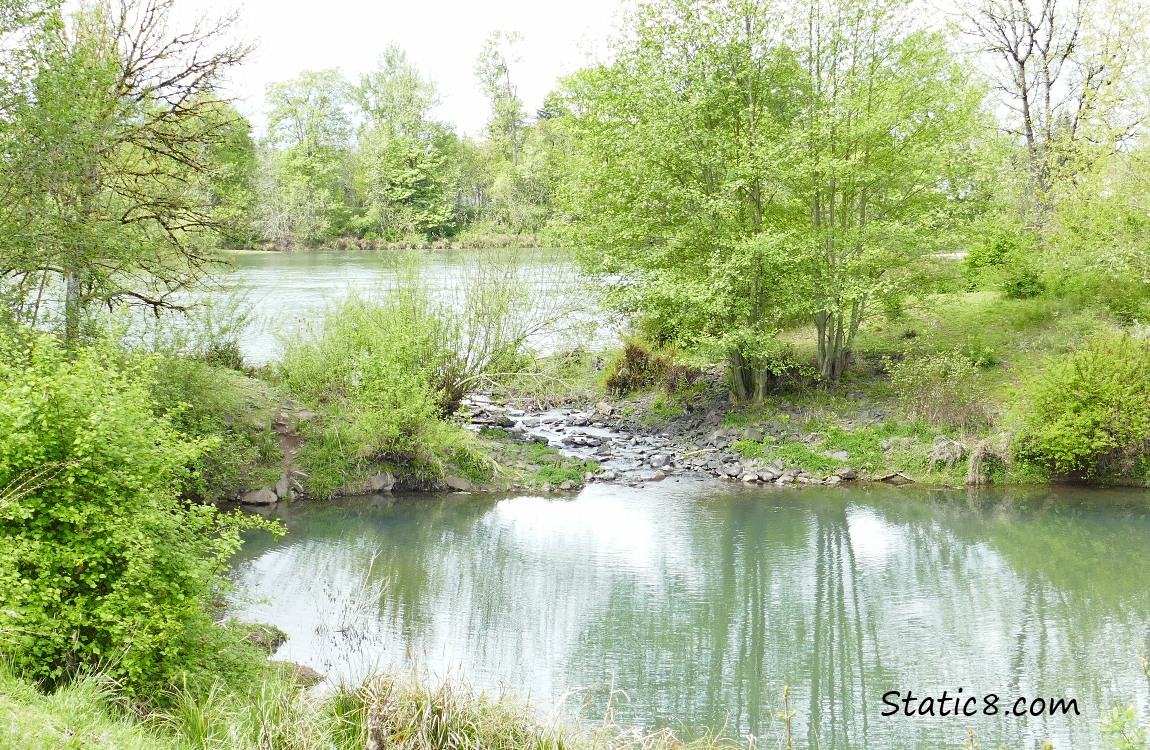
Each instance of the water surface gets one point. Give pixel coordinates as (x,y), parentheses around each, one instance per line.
(287,291)
(693,603)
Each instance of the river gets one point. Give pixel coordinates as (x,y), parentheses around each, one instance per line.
(691,603)
(288,291)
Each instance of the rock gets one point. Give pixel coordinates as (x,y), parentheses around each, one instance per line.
(283,488)
(753,434)
(566,485)
(546,487)
(834,479)
(299,474)
(304,415)
(847,474)
(732,470)
(588,476)
(267,638)
(503,421)
(382,482)
(658,461)
(769,474)
(304,675)
(839,455)
(549,458)
(608,476)
(658,476)
(946,451)
(777,465)
(604,408)
(297,489)
(260,497)
(750,478)
(459,484)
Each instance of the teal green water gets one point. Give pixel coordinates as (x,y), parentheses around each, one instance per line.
(288,291)
(692,604)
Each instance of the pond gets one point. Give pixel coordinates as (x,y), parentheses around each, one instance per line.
(692,603)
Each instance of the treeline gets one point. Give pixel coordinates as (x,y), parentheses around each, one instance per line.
(366,158)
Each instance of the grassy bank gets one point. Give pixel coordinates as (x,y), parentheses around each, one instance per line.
(950,389)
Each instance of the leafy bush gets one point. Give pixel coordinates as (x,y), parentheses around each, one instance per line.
(943,389)
(101,565)
(1005,259)
(635,369)
(1088,415)
(241,450)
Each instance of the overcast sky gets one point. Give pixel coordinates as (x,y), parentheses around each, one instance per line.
(442,37)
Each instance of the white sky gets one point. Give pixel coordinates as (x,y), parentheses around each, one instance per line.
(442,37)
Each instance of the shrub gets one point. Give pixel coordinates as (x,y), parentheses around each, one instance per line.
(101,564)
(635,369)
(943,389)
(1088,415)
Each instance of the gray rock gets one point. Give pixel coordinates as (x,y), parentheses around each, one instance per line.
(566,485)
(305,415)
(777,464)
(283,488)
(604,408)
(382,482)
(847,474)
(946,451)
(754,434)
(608,476)
(658,461)
(840,455)
(262,496)
(834,479)
(460,484)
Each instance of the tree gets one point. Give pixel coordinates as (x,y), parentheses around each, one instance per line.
(305,180)
(405,157)
(1062,70)
(106,157)
(743,166)
(493,69)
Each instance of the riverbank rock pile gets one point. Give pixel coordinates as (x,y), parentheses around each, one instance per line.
(634,458)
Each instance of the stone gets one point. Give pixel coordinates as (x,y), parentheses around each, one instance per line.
(283,488)
(839,455)
(382,482)
(777,464)
(658,476)
(503,421)
(753,434)
(566,485)
(946,451)
(608,476)
(304,415)
(658,461)
(847,474)
(604,408)
(750,478)
(459,484)
(834,479)
(550,458)
(260,497)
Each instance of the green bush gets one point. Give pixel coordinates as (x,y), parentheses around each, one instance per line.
(373,368)
(102,565)
(1087,416)
(943,389)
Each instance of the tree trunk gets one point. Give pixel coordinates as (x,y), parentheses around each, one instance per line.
(73,305)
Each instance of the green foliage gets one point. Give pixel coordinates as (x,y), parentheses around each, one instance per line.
(729,186)
(1121,730)
(1087,415)
(943,389)
(102,564)
(231,414)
